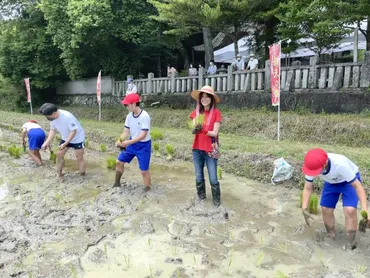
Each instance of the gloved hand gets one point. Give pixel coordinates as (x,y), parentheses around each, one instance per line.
(307,216)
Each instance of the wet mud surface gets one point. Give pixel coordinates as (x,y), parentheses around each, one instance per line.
(81,227)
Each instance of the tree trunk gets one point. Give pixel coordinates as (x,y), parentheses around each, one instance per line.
(236,47)
(159,62)
(368,34)
(208,47)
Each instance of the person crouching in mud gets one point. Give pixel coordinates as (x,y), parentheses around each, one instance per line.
(340,176)
(205,145)
(36,137)
(137,128)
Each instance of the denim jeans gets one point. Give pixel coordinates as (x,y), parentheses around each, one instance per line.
(201,157)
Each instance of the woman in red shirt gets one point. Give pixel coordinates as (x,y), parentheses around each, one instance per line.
(205,145)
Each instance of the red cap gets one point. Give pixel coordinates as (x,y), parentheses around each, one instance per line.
(131,98)
(33,121)
(314,162)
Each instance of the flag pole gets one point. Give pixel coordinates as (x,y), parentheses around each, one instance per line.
(278,127)
(98,93)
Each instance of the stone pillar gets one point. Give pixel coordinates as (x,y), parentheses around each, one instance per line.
(267,76)
(200,77)
(149,84)
(365,71)
(312,81)
(230,78)
(173,84)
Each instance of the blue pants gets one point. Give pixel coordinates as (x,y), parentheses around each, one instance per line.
(331,192)
(142,150)
(201,157)
(36,137)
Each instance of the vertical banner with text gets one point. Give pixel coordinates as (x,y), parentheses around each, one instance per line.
(28,89)
(275,73)
(98,93)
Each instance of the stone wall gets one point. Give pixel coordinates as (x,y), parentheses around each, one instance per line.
(315,100)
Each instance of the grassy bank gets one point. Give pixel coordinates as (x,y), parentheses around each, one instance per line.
(248,138)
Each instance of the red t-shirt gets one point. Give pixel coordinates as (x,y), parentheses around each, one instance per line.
(202,141)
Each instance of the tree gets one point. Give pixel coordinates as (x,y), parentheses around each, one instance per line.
(320,20)
(195,16)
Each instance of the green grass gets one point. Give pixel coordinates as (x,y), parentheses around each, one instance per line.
(111,163)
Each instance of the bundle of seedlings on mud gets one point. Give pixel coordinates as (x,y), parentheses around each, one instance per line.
(170,151)
(156,149)
(103,148)
(219,172)
(121,140)
(53,156)
(198,125)
(156,134)
(87,143)
(313,205)
(15,151)
(3,148)
(362,225)
(111,163)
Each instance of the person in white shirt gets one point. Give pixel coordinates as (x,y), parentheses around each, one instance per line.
(341,177)
(239,63)
(36,137)
(131,87)
(253,62)
(192,71)
(139,143)
(73,135)
(212,69)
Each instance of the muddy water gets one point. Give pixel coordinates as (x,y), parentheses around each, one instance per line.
(80,227)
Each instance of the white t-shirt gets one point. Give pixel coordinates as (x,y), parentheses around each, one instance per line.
(137,124)
(67,123)
(252,64)
(131,89)
(27,126)
(340,169)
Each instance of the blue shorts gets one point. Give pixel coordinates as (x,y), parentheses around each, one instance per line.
(76,146)
(331,192)
(36,137)
(142,150)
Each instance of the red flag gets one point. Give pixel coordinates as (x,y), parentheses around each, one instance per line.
(27,82)
(98,88)
(275,73)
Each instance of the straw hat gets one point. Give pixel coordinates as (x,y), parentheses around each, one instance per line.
(205,89)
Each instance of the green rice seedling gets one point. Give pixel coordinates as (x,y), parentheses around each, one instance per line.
(262,241)
(53,156)
(127,261)
(229,265)
(361,268)
(259,260)
(111,163)
(105,249)
(58,137)
(103,148)
(87,143)
(362,225)
(151,271)
(178,273)
(30,275)
(3,148)
(219,172)
(282,247)
(11,127)
(313,205)
(170,151)
(149,242)
(15,151)
(280,274)
(156,134)
(26,213)
(156,149)
(74,271)
(195,260)
(198,125)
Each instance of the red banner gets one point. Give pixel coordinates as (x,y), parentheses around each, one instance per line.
(27,82)
(98,88)
(275,73)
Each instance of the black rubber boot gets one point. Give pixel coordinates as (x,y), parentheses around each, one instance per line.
(201,189)
(216,194)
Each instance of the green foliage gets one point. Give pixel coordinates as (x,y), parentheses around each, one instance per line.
(103,147)
(313,205)
(111,163)
(87,143)
(53,156)
(15,151)
(170,151)
(156,134)
(156,149)
(219,172)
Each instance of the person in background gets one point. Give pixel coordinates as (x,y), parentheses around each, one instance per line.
(192,71)
(171,71)
(131,87)
(239,63)
(341,178)
(252,63)
(212,69)
(139,143)
(36,137)
(205,144)
(73,136)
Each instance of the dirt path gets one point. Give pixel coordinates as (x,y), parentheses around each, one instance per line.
(80,227)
